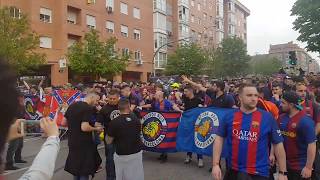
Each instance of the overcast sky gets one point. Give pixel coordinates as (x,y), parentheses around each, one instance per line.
(270,23)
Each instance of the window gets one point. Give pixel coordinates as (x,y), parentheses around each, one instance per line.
(192,18)
(231,29)
(125,52)
(124,8)
(204,16)
(230,6)
(160,21)
(199,21)
(161,60)
(124,31)
(160,40)
(184,30)
(110,3)
(15,12)
(45,15)
(110,26)
(137,55)
(199,6)
(91,22)
(192,2)
(159,5)
(136,34)
(183,14)
(45,42)
(136,13)
(72,17)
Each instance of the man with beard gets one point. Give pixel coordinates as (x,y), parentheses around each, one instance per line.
(83,158)
(248,132)
(312,109)
(108,113)
(299,137)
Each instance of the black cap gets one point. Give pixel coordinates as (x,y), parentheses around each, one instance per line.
(292,97)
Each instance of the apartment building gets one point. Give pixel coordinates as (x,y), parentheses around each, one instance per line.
(205,22)
(305,61)
(235,18)
(61,23)
(147,29)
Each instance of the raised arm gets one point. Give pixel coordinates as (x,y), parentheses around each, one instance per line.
(198,86)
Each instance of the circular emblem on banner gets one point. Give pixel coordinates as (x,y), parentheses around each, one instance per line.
(205,128)
(29,106)
(154,128)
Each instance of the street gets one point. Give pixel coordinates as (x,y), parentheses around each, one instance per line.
(174,169)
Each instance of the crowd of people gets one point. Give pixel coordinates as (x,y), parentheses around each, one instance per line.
(273,126)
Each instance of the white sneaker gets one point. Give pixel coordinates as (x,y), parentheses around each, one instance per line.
(188,160)
(200,163)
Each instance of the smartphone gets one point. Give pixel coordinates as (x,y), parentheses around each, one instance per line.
(31,127)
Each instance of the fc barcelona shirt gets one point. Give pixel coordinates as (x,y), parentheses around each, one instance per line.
(298,132)
(248,138)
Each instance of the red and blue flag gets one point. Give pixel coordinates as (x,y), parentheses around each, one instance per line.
(159,131)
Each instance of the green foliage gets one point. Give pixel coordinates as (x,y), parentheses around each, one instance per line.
(188,59)
(265,65)
(307,23)
(94,57)
(18,42)
(230,59)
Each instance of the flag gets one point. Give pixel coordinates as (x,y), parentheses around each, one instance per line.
(197,129)
(159,131)
(60,101)
(33,107)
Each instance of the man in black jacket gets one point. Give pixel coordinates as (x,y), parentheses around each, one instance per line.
(108,113)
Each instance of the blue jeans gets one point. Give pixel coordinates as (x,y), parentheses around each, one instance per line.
(110,168)
(198,155)
(80,177)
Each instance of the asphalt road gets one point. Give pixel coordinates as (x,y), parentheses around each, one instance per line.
(174,169)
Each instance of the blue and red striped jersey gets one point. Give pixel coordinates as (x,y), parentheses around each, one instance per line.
(248,138)
(298,132)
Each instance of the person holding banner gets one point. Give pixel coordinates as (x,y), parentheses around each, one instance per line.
(163,105)
(248,132)
(83,159)
(190,101)
(108,113)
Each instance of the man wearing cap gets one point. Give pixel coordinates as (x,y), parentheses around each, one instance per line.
(299,138)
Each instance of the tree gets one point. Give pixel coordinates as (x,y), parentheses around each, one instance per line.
(188,59)
(265,65)
(18,42)
(307,22)
(95,57)
(230,59)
